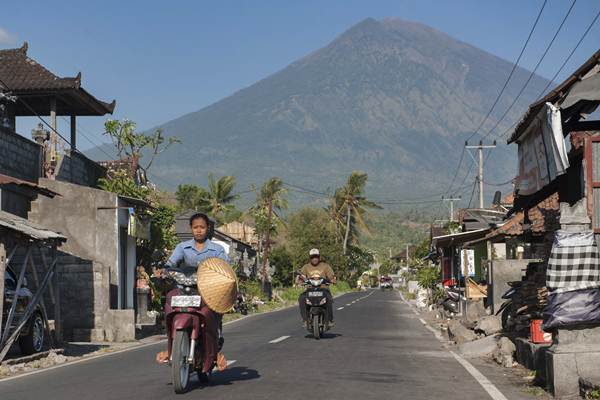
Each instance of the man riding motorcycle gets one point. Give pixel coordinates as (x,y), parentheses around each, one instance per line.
(189,254)
(316,266)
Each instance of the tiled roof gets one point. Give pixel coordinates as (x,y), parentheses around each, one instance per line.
(544,217)
(23,76)
(21,73)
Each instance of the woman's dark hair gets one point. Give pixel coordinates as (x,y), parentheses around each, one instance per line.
(209,223)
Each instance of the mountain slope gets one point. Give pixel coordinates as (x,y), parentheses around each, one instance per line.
(395,99)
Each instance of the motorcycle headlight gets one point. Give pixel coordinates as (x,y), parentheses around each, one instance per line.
(308,301)
(183,279)
(323,301)
(316,282)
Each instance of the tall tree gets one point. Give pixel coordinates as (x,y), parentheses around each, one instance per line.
(216,200)
(270,200)
(353,203)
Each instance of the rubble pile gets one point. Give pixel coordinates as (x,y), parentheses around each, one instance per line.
(530,297)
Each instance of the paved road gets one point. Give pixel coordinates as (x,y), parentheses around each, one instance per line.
(379,349)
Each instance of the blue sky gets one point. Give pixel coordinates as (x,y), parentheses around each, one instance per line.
(161,60)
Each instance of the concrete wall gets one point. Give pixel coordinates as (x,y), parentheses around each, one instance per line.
(19,156)
(500,272)
(86,216)
(90,220)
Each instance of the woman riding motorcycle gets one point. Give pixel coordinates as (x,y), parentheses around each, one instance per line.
(189,254)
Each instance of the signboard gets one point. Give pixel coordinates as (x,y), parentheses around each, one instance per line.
(467,262)
(542,152)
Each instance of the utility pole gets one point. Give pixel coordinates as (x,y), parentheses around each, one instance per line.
(451,200)
(480,147)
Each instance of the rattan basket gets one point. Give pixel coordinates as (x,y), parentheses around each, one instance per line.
(217,284)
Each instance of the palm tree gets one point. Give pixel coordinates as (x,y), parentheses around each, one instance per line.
(270,200)
(216,200)
(353,204)
(219,196)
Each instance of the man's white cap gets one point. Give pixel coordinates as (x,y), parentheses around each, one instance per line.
(314,252)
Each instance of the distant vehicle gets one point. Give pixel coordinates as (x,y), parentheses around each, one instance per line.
(31,338)
(386,283)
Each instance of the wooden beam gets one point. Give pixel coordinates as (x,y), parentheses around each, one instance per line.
(53,114)
(73,132)
(580,126)
(2,270)
(56,282)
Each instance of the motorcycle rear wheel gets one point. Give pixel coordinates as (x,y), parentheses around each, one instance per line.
(315,326)
(180,366)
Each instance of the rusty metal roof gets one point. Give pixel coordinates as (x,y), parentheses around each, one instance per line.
(24,227)
(5,180)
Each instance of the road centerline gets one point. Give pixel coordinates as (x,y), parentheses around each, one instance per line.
(279,339)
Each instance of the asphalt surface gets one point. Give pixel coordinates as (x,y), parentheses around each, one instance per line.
(378,349)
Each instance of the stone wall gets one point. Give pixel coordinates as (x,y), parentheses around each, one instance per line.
(77,168)
(19,156)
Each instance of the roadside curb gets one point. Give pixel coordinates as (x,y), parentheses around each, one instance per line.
(141,345)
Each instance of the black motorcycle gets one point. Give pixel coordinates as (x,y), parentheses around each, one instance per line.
(316,301)
(451,302)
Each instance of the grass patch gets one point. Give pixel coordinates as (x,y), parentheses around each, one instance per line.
(535,391)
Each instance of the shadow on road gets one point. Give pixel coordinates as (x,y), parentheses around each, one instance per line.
(325,336)
(227,377)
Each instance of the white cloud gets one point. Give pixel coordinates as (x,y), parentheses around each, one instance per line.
(5,37)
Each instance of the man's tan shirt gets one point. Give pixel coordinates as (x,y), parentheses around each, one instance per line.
(322,268)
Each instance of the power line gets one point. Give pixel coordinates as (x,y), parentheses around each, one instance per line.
(581,39)
(570,54)
(531,75)
(8,89)
(515,65)
(472,193)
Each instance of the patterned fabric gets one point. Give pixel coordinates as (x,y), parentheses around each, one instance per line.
(573,268)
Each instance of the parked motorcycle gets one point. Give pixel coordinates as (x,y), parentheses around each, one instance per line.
(316,300)
(451,302)
(185,326)
(241,305)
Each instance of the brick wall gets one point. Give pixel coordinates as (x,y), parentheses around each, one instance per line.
(19,156)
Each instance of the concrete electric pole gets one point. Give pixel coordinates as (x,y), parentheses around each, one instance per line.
(451,200)
(480,147)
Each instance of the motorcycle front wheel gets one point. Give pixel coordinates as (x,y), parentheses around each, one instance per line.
(315,326)
(180,365)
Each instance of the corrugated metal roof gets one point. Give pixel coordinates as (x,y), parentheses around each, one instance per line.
(458,238)
(28,228)
(560,92)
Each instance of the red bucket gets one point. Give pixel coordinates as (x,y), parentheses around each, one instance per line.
(537,334)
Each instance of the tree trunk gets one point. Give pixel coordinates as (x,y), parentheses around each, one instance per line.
(347,229)
(267,242)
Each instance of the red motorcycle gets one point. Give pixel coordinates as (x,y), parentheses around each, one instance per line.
(186,322)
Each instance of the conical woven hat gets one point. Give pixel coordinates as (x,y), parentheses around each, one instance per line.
(217,284)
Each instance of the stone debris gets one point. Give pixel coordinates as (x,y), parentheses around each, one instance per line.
(459,333)
(475,311)
(52,358)
(489,325)
(480,347)
(504,353)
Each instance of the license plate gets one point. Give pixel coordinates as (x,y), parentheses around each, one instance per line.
(186,301)
(315,294)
